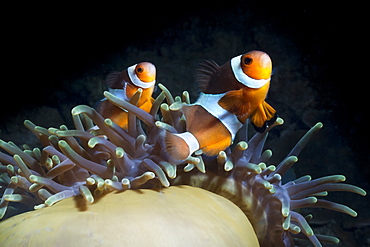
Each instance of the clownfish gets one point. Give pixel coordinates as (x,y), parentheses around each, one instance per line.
(230,94)
(124,85)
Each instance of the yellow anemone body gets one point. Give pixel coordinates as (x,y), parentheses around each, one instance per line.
(174,216)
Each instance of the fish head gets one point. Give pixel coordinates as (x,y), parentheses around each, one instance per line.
(145,71)
(256,64)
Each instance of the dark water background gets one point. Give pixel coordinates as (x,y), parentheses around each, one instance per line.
(57,57)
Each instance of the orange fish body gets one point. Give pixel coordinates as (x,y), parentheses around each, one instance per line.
(124,85)
(231,94)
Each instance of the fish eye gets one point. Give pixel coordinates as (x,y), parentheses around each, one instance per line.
(139,69)
(247,60)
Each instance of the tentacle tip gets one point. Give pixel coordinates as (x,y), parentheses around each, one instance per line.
(92,142)
(164,126)
(106,94)
(33,178)
(285,226)
(228,166)
(279,121)
(319,125)
(335,240)
(120,152)
(108,122)
(293,159)
(257,170)
(171,173)
(242,145)
(285,212)
(62,143)
(222,154)
(78,109)
(272,190)
(75,111)
(165,183)
(176,106)
(27,122)
(16,157)
(309,233)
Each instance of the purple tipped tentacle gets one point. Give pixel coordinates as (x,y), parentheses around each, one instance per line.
(282,167)
(126,166)
(238,151)
(302,223)
(136,182)
(127,141)
(43,136)
(334,206)
(176,115)
(141,147)
(327,187)
(31,162)
(156,104)
(151,165)
(253,143)
(166,115)
(305,139)
(143,115)
(302,203)
(285,165)
(4,203)
(64,166)
(167,93)
(82,162)
(7,159)
(51,184)
(256,156)
(99,121)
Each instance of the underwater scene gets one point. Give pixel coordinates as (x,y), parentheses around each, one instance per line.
(221,124)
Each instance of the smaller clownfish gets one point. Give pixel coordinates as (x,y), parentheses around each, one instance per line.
(124,85)
(230,94)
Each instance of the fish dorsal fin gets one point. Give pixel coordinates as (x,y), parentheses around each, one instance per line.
(205,72)
(114,80)
(236,103)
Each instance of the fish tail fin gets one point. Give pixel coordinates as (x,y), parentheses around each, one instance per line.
(263,116)
(180,146)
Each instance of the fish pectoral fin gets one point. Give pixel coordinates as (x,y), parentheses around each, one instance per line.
(205,72)
(177,147)
(235,103)
(263,114)
(214,149)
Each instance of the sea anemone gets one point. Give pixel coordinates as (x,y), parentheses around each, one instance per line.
(98,157)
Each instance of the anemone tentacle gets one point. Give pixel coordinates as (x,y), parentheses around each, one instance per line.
(98,156)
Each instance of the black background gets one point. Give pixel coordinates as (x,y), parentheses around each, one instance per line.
(45,48)
(42,46)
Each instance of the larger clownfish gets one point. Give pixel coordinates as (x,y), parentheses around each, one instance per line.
(230,94)
(124,85)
